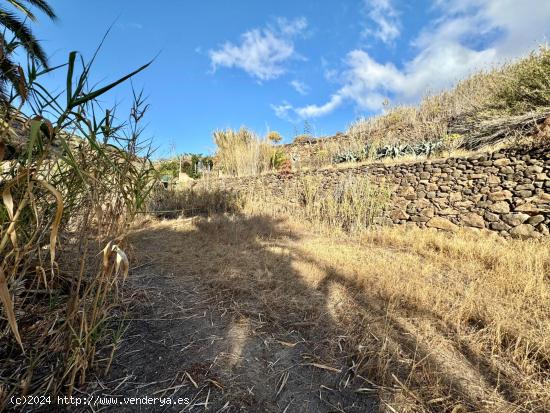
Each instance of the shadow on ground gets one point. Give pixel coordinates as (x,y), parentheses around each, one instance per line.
(233,317)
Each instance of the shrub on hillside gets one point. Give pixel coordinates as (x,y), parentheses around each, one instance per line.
(524,85)
(274,136)
(304,139)
(278,158)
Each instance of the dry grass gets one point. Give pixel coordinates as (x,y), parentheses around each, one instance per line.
(205,199)
(242,152)
(512,89)
(352,205)
(435,321)
(422,321)
(405,159)
(322,152)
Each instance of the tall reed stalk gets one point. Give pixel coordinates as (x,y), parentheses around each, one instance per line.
(242,153)
(71,178)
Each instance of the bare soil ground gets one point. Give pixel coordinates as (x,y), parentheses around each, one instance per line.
(260,314)
(223,348)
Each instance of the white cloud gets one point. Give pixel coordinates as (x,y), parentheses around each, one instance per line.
(300,87)
(292,28)
(467,36)
(283,110)
(129,26)
(261,52)
(385,18)
(313,111)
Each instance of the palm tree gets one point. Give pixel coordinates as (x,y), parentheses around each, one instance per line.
(11,72)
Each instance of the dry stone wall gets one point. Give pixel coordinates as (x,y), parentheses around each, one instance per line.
(507,191)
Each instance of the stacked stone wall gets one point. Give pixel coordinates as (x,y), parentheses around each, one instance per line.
(507,191)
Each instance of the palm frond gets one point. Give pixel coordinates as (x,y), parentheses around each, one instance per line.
(24,35)
(26,11)
(10,72)
(41,5)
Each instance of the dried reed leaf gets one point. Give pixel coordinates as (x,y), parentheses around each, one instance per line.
(8,202)
(107,254)
(324,367)
(215,383)
(282,381)
(288,344)
(57,220)
(192,381)
(2,150)
(121,261)
(8,306)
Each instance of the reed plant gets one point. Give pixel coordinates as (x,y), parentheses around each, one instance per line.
(72,177)
(242,152)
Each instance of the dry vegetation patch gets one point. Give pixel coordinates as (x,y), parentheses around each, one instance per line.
(419,320)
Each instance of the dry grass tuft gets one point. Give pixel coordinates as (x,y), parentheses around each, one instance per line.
(193,201)
(242,152)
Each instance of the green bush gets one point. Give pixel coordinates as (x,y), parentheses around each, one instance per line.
(277,159)
(525,85)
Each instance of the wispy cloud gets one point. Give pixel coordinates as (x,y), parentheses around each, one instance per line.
(261,52)
(467,36)
(129,26)
(385,19)
(300,87)
(284,111)
(313,111)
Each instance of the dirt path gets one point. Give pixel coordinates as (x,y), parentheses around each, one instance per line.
(223,320)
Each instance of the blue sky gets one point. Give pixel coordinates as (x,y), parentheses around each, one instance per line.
(272,65)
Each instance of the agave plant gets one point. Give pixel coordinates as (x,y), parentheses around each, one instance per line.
(390,151)
(347,155)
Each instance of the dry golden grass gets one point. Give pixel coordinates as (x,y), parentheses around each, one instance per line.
(242,152)
(421,320)
(204,199)
(352,205)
